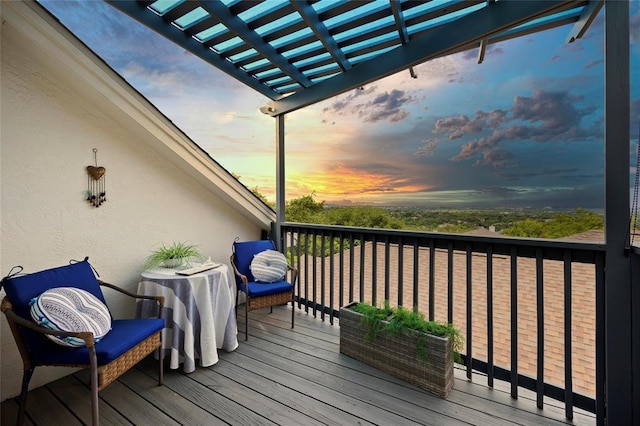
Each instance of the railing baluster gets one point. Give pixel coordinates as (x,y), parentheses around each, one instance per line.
(514,322)
(568,362)
(322,274)
(341,269)
(291,260)
(540,331)
(351,262)
(306,272)
(432,280)
(416,272)
(490,316)
(469,313)
(331,280)
(297,265)
(362,264)
(450,282)
(374,270)
(314,283)
(386,267)
(400,270)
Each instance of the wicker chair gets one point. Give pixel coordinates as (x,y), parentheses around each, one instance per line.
(259,295)
(127,342)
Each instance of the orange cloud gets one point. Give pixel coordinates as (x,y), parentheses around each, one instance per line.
(341,181)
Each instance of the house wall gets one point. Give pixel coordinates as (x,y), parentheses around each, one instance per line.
(49,127)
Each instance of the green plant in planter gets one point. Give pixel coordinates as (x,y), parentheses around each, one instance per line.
(396,321)
(173,255)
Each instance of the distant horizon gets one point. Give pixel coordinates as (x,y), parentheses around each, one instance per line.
(524,129)
(495,208)
(460,206)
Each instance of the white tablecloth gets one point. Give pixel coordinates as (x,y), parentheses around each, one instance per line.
(199,314)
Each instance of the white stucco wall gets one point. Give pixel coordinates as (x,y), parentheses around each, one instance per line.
(48,130)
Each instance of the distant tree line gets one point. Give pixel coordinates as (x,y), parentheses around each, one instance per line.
(514,223)
(532,224)
(560,225)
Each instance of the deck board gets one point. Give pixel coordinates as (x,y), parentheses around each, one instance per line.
(74,394)
(282,376)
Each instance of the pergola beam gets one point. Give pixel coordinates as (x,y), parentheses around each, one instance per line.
(402,28)
(586,18)
(310,17)
(139,12)
(242,30)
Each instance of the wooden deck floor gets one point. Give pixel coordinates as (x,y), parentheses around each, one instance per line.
(280,376)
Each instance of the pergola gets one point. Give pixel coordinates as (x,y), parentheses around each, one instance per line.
(298,53)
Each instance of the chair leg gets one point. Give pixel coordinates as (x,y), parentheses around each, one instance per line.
(293,310)
(246,319)
(93,361)
(26,378)
(161,366)
(237,298)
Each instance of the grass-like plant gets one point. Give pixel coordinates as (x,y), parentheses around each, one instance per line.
(180,252)
(396,321)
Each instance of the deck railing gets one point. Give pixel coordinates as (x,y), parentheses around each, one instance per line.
(531,311)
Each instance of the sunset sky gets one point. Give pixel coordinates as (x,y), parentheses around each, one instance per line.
(522,129)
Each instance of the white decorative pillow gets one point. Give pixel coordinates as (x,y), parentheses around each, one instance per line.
(269,266)
(71,309)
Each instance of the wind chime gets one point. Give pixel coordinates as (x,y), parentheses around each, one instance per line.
(96,193)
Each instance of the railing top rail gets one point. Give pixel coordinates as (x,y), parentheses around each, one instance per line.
(525,247)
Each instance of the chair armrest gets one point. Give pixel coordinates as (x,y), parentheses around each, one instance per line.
(236,272)
(159,299)
(294,273)
(16,319)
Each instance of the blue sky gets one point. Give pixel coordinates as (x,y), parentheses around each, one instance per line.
(522,129)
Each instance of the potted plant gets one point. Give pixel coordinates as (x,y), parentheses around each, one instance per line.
(402,343)
(172,256)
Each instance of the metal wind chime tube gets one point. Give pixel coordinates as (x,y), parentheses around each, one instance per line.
(96,187)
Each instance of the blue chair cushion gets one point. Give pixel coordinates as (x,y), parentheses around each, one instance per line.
(22,288)
(263,289)
(124,335)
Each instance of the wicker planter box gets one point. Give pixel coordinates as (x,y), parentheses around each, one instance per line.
(397,355)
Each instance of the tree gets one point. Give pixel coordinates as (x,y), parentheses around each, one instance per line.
(365,217)
(304,209)
(560,225)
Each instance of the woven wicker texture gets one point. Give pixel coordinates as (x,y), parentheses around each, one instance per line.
(270,300)
(110,372)
(397,355)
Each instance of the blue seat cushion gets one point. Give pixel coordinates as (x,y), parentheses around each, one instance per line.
(264,289)
(124,335)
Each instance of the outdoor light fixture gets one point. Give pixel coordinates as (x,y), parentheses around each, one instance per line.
(267,109)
